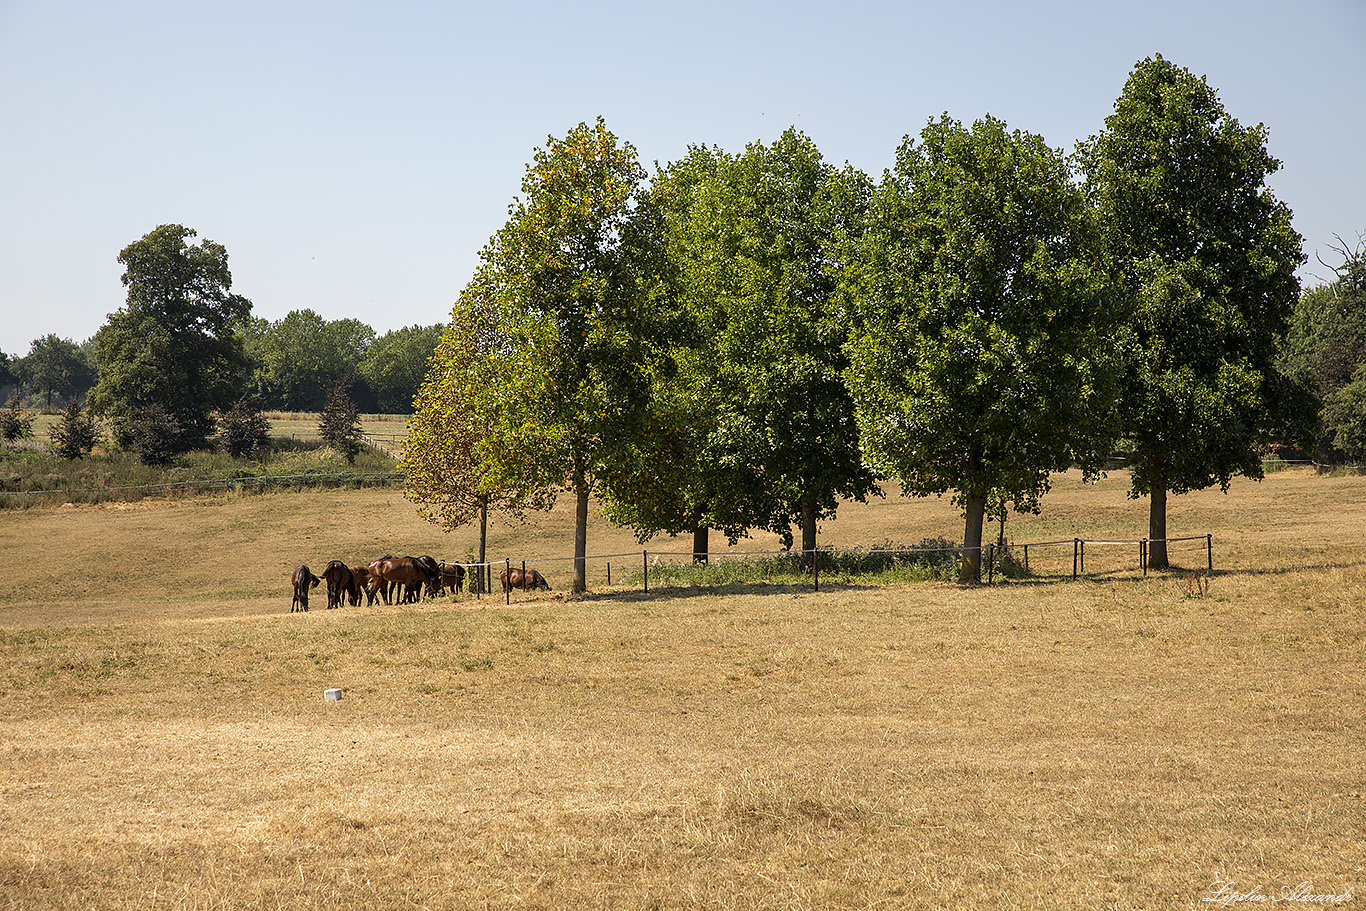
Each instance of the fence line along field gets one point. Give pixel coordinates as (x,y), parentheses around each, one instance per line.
(1112,742)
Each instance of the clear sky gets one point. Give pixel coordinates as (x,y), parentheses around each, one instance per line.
(354,157)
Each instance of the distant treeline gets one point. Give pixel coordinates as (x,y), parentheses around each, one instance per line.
(292,363)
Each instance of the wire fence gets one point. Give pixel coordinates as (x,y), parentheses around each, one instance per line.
(996,560)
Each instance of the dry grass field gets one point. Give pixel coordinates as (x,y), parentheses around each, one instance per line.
(1109,743)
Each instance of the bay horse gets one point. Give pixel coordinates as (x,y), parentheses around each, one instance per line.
(404,571)
(515,578)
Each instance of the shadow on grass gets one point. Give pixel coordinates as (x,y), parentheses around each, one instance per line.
(672,591)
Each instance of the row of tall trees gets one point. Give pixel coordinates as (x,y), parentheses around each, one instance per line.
(748,338)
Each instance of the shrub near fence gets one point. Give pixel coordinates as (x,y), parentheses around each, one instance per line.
(931,559)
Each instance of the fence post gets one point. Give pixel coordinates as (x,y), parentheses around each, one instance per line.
(991,563)
(1209,551)
(816,568)
(1026,550)
(645,565)
(507,586)
(1143,555)
(609,573)
(1075,544)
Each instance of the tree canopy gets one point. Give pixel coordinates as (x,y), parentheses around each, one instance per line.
(981,361)
(173,344)
(1209,259)
(756,428)
(563,280)
(55,366)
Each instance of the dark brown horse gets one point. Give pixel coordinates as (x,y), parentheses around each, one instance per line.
(341,583)
(516,578)
(303,580)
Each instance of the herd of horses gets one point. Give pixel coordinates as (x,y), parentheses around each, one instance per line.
(394,578)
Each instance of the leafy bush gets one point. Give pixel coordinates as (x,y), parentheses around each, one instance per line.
(243,428)
(75,435)
(932,558)
(14,424)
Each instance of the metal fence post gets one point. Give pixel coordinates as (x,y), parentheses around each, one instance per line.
(1075,544)
(1209,551)
(507,585)
(645,566)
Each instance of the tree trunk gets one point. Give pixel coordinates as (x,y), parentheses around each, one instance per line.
(808,530)
(971,571)
(483,543)
(700,533)
(581,535)
(1157,526)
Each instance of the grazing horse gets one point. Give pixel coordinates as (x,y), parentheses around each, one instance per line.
(433,583)
(404,571)
(453,576)
(341,582)
(303,581)
(361,574)
(516,578)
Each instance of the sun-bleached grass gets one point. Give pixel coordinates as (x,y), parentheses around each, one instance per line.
(1113,742)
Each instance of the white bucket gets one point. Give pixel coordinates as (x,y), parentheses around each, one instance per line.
(332,695)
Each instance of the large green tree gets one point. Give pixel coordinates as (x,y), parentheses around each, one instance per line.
(1325,348)
(1209,260)
(172,345)
(753,426)
(982,357)
(55,366)
(456,403)
(566,282)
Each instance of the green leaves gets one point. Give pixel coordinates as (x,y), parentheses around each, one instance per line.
(172,346)
(984,355)
(1209,257)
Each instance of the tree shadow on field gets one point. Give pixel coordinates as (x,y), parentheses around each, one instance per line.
(763,589)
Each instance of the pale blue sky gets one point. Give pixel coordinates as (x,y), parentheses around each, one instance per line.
(354,157)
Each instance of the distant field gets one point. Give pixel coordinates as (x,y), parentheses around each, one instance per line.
(1113,743)
(300,425)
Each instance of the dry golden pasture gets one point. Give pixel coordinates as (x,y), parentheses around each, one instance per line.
(1107,743)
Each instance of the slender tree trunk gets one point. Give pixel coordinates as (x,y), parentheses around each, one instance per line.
(700,533)
(971,571)
(808,530)
(1157,526)
(975,510)
(580,533)
(483,544)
